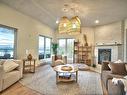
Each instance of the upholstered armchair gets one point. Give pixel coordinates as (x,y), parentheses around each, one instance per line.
(59,60)
(9,78)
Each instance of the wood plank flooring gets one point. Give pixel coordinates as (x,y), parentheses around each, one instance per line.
(19,89)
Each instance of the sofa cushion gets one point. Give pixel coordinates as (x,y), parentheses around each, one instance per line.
(105,66)
(9,65)
(118,61)
(118,68)
(59,62)
(115,89)
(108,75)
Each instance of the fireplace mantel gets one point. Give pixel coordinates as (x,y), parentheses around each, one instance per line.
(114,51)
(107,44)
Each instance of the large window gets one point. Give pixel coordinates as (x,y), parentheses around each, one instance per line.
(7,42)
(66,47)
(44,47)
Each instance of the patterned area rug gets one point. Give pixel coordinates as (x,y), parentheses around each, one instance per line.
(44,81)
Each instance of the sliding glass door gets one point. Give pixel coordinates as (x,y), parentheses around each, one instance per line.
(44,47)
(47,47)
(41,47)
(66,47)
(70,49)
(62,47)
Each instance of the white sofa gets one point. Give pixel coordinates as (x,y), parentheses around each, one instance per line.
(9,78)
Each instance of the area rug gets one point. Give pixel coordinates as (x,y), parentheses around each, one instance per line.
(44,81)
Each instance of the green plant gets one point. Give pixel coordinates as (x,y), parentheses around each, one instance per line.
(54,48)
(94,65)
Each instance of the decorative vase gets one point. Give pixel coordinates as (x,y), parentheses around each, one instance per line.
(85,39)
(29,57)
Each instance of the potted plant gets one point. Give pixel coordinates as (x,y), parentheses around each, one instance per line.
(54,49)
(94,65)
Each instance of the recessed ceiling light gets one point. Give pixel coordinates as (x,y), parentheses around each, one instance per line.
(96,21)
(64,9)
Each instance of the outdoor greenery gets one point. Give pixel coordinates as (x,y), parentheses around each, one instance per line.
(54,48)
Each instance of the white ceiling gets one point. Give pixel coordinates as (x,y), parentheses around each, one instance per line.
(47,11)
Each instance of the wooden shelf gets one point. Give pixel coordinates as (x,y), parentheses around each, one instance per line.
(82,53)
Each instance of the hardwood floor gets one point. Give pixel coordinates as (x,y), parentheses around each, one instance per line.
(19,89)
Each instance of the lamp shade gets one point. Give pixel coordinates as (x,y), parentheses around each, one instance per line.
(64,25)
(75,26)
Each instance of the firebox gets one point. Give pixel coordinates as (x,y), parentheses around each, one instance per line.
(104,55)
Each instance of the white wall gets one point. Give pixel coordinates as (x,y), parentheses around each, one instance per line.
(88,31)
(109,33)
(28,30)
(125,40)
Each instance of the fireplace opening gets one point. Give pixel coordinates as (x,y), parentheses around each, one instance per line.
(104,55)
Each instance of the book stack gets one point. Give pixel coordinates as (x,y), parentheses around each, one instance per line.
(64,75)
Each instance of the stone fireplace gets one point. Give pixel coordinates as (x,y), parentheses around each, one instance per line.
(106,53)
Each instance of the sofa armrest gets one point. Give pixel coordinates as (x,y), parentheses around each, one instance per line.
(20,67)
(115,89)
(1,71)
(110,77)
(1,77)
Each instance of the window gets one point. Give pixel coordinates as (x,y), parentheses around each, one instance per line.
(7,42)
(66,47)
(62,46)
(70,49)
(48,47)
(44,47)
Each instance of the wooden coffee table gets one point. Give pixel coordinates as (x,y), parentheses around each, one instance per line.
(66,73)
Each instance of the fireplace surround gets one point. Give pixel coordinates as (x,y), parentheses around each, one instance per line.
(106,53)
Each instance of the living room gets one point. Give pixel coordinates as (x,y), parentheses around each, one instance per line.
(33,26)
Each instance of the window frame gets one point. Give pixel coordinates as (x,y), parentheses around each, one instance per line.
(15,39)
(44,45)
(65,43)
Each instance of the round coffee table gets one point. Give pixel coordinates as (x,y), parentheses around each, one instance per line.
(66,73)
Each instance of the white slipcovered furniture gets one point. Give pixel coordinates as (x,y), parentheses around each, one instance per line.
(60,60)
(7,78)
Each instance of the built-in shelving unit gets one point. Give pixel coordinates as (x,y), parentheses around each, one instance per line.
(82,54)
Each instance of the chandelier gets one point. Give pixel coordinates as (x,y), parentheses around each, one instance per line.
(70,26)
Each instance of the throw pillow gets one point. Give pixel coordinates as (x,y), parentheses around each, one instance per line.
(118,61)
(59,62)
(105,65)
(118,68)
(9,65)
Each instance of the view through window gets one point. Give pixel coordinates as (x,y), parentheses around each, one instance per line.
(66,47)
(7,42)
(44,47)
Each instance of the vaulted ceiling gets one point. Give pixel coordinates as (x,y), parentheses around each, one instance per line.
(48,11)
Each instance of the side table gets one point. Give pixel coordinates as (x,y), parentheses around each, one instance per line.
(28,64)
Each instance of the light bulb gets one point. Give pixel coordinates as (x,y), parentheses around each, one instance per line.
(57,21)
(64,25)
(74,25)
(96,21)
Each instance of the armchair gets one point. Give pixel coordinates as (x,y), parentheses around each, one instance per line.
(9,78)
(59,60)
